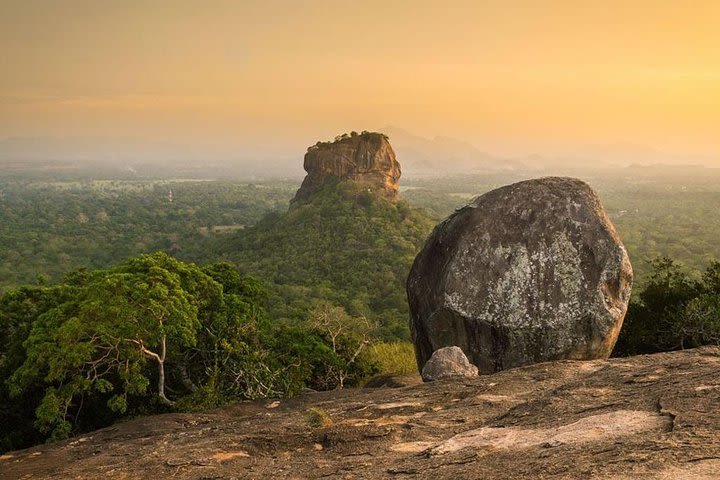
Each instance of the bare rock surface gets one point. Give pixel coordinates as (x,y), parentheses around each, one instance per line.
(647,417)
(526,273)
(448,362)
(366,159)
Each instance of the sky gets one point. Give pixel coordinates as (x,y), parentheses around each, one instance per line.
(511,77)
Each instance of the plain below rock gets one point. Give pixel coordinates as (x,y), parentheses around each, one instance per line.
(527,273)
(448,362)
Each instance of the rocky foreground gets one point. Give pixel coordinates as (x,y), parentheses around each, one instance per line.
(654,416)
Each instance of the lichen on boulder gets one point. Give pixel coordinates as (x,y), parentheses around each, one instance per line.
(527,273)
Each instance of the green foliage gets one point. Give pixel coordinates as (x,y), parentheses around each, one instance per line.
(349,338)
(317,418)
(345,246)
(364,135)
(359,247)
(98,342)
(52,228)
(674,311)
(79,354)
(18,311)
(110,343)
(393,357)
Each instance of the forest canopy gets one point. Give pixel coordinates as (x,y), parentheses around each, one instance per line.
(346,246)
(155,333)
(93,328)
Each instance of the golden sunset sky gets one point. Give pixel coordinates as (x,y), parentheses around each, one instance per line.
(511,77)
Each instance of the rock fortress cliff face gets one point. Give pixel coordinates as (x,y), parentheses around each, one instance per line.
(366,159)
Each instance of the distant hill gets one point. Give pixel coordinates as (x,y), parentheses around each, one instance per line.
(421,155)
(347,238)
(346,246)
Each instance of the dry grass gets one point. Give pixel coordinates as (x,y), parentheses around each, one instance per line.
(317,418)
(394,357)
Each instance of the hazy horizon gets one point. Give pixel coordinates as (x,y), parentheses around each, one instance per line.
(623,83)
(417,155)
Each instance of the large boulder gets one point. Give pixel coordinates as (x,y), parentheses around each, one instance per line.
(448,362)
(527,273)
(366,159)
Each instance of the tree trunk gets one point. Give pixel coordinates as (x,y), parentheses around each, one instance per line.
(161,374)
(186,380)
(161,366)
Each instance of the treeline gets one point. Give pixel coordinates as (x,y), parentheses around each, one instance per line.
(673,311)
(52,228)
(49,229)
(155,334)
(673,215)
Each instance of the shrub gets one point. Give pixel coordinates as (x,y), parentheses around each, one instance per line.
(675,311)
(317,418)
(393,357)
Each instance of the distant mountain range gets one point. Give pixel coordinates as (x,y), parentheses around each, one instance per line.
(418,156)
(143,158)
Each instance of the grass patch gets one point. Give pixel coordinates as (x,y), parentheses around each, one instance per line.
(317,418)
(394,357)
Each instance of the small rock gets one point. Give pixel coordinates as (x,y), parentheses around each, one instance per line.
(448,362)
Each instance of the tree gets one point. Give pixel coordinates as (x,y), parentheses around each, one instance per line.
(674,311)
(348,337)
(699,322)
(154,333)
(97,343)
(345,246)
(230,348)
(18,310)
(711,278)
